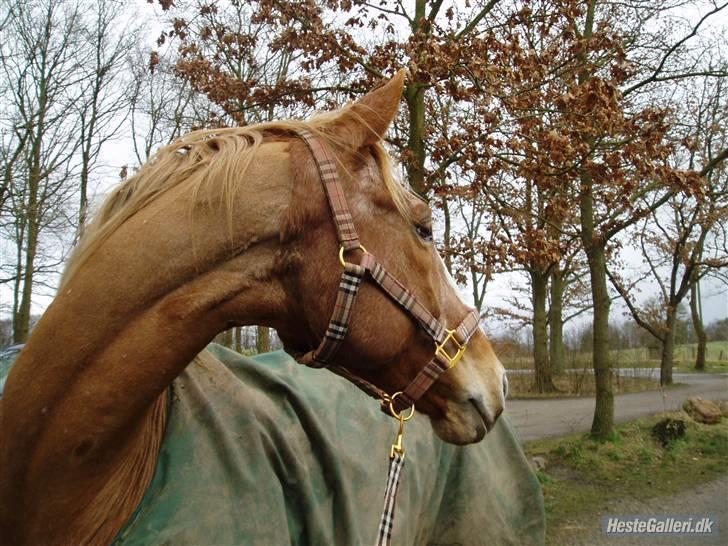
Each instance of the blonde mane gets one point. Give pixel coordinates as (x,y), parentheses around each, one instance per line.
(196,159)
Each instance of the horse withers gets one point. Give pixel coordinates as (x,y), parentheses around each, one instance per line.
(223,227)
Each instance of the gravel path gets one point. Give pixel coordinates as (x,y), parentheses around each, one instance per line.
(539,418)
(708,499)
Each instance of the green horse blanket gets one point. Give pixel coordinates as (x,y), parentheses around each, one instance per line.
(263,451)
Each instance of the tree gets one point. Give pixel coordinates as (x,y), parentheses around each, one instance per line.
(675,255)
(710,123)
(40,44)
(63,100)
(107,38)
(163,106)
(612,177)
(696,315)
(587,135)
(678,243)
(569,299)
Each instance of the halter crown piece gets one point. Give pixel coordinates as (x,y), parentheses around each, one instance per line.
(449,344)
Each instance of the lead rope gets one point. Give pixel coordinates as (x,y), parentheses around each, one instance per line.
(396,463)
(390,497)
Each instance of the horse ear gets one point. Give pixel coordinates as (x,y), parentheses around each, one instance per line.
(366,121)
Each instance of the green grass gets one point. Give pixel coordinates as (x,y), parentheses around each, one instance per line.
(585,477)
(684,358)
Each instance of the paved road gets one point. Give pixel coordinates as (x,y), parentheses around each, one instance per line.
(534,419)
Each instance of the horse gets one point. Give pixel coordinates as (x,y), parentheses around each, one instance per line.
(222,228)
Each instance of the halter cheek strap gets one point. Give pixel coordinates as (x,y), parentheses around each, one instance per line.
(449,344)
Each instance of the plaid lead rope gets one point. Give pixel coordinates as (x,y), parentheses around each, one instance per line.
(386,523)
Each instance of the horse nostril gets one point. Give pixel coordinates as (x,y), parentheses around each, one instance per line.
(505,386)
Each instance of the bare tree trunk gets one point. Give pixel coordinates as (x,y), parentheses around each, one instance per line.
(82,202)
(542,366)
(22,320)
(447,258)
(414,94)
(603,422)
(238,334)
(262,345)
(18,282)
(668,348)
(697,318)
(32,224)
(556,322)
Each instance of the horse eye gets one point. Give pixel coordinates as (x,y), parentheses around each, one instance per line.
(425,232)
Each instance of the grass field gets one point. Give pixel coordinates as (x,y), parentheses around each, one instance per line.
(642,357)
(584,478)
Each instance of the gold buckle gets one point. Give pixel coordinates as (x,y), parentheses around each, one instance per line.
(440,349)
(342,250)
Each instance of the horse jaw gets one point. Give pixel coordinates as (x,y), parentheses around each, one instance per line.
(461,426)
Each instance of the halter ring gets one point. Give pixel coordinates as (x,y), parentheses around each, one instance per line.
(399,415)
(342,250)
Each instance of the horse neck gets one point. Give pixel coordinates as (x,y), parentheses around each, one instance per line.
(129,320)
(142,306)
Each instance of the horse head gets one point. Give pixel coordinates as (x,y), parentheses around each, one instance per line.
(383,345)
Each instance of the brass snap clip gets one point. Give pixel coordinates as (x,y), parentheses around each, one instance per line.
(397,446)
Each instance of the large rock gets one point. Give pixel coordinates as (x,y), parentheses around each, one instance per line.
(703,411)
(723,405)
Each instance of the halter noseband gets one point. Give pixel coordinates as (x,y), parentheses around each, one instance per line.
(449,344)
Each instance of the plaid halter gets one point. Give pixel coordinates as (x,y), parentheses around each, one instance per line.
(449,344)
